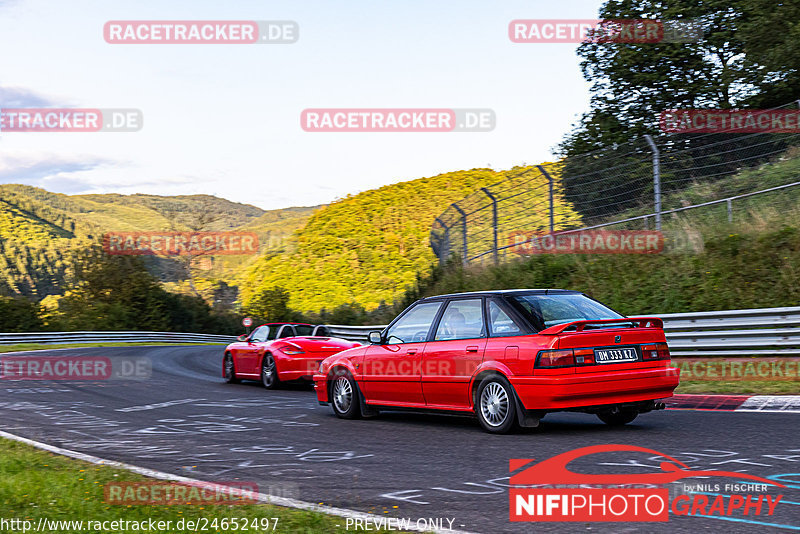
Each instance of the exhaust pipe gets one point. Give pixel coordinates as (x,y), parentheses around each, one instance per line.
(659,406)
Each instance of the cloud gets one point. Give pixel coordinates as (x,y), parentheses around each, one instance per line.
(20,97)
(53,173)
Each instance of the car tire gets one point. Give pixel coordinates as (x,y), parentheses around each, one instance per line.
(345,398)
(496,405)
(618,418)
(230,369)
(269,372)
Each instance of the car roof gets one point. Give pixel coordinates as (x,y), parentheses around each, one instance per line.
(293,324)
(507,292)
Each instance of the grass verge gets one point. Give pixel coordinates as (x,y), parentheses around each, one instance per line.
(754,375)
(739,387)
(37,484)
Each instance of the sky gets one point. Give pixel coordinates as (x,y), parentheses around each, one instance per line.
(224,119)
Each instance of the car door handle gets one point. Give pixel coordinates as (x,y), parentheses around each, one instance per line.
(472,348)
(411,351)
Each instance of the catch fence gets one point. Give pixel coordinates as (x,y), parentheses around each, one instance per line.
(638,185)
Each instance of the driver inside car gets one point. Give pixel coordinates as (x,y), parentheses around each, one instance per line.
(457,324)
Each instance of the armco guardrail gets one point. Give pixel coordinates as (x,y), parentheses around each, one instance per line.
(753,332)
(353,333)
(111,337)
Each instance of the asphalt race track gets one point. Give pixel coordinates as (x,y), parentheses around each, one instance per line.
(186,420)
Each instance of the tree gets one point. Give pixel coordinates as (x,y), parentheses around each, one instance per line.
(633,82)
(109,292)
(19,315)
(271,305)
(112,293)
(735,64)
(771,35)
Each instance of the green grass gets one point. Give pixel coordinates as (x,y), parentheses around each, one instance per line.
(739,387)
(716,375)
(44,346)
(36,484)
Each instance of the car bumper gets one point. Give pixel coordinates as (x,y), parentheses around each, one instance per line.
(321,387)
(299,368)
(583,390)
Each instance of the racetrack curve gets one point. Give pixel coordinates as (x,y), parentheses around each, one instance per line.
(185,419)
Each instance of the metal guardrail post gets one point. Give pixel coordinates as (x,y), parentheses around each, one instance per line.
(551,203)
(656,180)
(730,210)
(463,231)
(494,223)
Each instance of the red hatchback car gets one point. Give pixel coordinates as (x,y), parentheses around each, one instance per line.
(510,357)
(280,352)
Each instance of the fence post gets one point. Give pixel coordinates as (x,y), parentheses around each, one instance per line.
(463,231)
(494,223)
(730,211)
(550,184)
(442,249)
(656,180)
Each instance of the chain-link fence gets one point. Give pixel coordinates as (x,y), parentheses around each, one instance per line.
(628,186)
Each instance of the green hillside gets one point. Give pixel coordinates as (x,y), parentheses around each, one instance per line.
(40,230)
(366,248)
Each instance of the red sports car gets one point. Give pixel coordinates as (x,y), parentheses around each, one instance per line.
(510,357)
(280,352)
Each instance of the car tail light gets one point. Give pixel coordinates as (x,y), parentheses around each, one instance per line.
(292,351)
(584,356)
(555,358)
(655,351)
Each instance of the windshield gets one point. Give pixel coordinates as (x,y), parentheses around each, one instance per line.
(548,310)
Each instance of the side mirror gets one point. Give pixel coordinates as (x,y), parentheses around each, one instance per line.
(243,337)
(375,338)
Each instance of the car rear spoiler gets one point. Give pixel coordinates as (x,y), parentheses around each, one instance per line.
(638,322)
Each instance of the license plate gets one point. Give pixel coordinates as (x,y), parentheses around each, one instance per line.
(620,355)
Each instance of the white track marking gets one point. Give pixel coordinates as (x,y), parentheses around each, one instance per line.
(157,405)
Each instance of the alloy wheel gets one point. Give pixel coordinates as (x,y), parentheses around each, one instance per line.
(342,394)
(494,404)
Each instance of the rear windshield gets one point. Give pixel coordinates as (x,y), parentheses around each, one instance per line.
(548,310)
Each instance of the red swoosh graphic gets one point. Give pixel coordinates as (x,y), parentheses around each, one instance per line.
(554,470)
